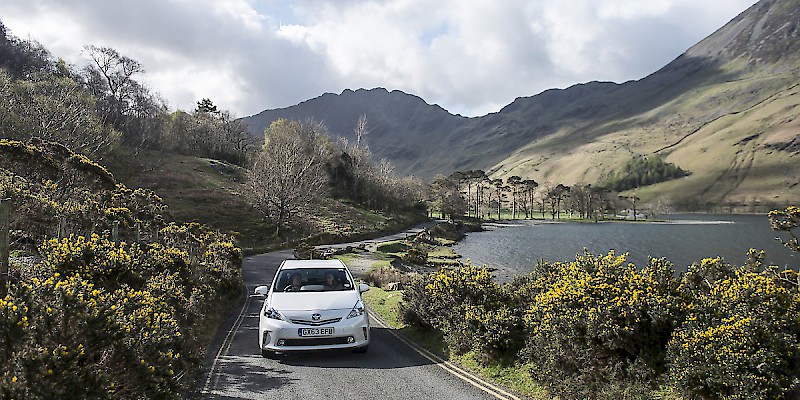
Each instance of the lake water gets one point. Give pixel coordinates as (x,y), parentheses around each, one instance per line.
(682,239)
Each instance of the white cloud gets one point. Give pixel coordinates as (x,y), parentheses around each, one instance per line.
(471,57)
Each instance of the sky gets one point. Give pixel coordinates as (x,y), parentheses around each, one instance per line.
(471,57)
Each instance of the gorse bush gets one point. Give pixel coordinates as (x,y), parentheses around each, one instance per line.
(95,317)
(739,339)
(786,221)
(52,196)
(471,310)
(598,320)
(599,327)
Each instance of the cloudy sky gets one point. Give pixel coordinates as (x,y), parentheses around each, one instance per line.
(471,57)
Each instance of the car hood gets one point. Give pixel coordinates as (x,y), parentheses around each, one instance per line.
(313,301)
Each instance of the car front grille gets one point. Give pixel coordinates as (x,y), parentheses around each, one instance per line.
(315,341)
(315,323)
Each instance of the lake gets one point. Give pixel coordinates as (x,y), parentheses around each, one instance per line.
(682,239)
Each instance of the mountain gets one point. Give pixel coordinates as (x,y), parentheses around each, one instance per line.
(725,110)
(399,124)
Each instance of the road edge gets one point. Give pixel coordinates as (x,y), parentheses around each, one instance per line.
(450,367)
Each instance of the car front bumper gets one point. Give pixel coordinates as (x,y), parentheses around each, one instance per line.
(282,336)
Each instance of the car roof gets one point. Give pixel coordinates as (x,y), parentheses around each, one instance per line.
(299,264)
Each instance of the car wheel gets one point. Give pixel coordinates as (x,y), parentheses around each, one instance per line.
(361,349)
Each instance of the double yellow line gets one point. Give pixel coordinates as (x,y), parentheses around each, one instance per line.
(451,368)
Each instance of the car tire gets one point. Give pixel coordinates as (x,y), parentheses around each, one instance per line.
(361,350)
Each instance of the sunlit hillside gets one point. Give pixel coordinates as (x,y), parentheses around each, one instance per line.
(725,111)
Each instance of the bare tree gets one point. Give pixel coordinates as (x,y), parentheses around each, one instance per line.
(117,73)
(361,131)
(288,174)
(529,186)
(499,194)
(515,184)
(127,105)
(447,197)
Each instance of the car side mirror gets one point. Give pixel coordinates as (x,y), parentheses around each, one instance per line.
(362,287)
(261,290)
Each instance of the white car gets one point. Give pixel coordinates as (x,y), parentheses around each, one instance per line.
(312,305)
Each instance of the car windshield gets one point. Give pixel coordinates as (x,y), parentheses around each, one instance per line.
(313,280)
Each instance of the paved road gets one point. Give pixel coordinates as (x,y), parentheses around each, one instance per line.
(390,370)
(397,236)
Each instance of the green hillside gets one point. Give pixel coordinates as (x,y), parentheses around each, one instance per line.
(725,111)
(210,192)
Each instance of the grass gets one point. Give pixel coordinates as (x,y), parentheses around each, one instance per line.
(347,258)
(196,190)
(210,192)
(514,377)
(393,248)
(381,263)
(731,159)
(386,304)
(443,253)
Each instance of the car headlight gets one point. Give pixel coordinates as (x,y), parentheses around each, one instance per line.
(272,313)
(358,310)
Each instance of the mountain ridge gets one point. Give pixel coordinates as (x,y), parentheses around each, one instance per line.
(740,82)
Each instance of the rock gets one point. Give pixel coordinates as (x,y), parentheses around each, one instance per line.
(392,286)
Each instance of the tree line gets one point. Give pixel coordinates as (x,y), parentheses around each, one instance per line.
(475,194)
(96,108)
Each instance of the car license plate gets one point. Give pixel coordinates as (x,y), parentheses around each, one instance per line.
(306,332)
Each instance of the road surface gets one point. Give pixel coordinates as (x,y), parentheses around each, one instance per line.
(391,369)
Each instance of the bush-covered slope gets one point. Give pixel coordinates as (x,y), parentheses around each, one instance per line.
(113,301)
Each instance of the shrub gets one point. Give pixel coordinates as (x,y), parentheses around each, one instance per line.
(786,221)
(470,309)
(97,319)
(740,336)
(598,321)
(80,340)
(416,255)
(384,275)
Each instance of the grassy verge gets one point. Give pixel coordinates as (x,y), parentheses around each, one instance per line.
(515,377)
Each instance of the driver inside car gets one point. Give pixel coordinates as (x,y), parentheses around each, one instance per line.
(297,283)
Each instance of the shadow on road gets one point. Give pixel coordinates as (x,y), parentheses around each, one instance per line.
(249,374)
(383,354)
